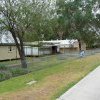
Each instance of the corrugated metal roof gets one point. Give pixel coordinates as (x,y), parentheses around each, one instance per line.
(6,38)
(67,41)
(62,43)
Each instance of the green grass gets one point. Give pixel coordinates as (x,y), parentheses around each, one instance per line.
(74,82)
(39,70)
(76,68)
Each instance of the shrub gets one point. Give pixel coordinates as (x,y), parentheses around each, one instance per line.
(2,76)
(3,67)
(5,75)
(18,71)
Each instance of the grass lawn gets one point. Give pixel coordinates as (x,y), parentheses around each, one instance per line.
(53,77)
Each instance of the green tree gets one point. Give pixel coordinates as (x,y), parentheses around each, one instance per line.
(41,22)
(27,20)
(75,19)
(13,19)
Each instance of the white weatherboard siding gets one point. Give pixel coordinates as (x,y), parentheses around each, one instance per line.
(8,48)
(7,54)
(29,51)
(35,51)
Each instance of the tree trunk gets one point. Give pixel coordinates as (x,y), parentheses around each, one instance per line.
(22,54)
(60,35)
(20,49)
(79,41)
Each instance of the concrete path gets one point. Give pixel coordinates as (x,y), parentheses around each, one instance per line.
(87,89)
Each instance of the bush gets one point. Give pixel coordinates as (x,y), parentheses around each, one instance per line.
(5,75)
(3,67)
(18,71)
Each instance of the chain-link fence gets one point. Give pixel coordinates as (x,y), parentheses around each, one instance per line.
(39,63)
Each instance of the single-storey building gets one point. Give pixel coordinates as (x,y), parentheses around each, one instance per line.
(33,49)
(52,47)
(8,48)
(9,51)
(63,46)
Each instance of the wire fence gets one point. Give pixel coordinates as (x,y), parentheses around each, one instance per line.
(77,54)
(39,63)
(65,56)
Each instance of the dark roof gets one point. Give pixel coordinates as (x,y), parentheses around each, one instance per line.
(13,44)
(7,44)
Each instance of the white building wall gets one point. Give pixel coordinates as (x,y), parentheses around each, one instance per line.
(35,51)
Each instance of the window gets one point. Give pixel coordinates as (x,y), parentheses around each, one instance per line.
(9,48)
